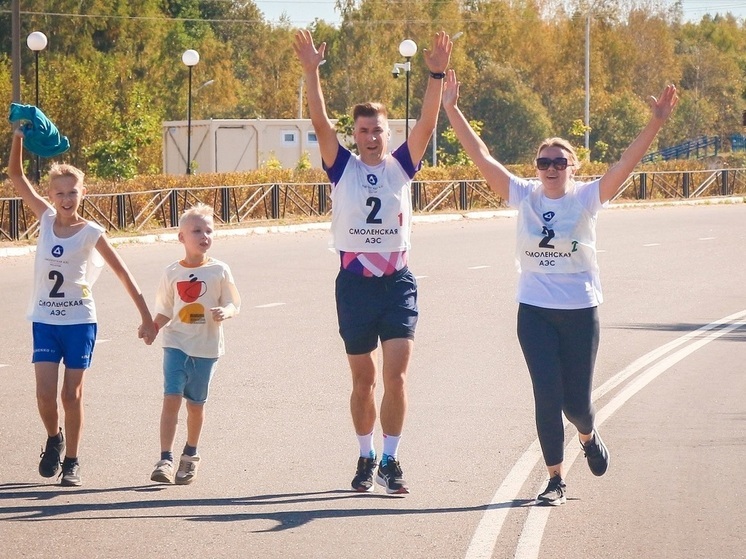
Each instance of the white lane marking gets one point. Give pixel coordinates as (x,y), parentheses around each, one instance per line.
(533,529)
(477,267)
(102,340)
(485,536)
(652,245)
(269,305)
(4,365)
(420,277)
(706,238)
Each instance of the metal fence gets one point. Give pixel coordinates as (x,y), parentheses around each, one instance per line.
(143,211)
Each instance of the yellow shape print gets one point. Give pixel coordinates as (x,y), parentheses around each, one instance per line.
(193,313)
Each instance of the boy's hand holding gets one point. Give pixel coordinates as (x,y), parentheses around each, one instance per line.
(148,332)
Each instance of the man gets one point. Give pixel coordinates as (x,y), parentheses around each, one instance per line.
(376,294)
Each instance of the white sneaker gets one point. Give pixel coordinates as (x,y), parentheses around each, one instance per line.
(163,472)
(187,471)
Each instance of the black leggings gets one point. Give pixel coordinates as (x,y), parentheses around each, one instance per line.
(560,348)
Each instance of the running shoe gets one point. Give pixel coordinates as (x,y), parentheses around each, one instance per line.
(363,480)
(163,472)
(187,471)
(391,477)
(71,474)
(597,455)
(51,457)
(554,494)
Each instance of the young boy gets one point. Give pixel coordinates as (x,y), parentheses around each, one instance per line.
(195,296)
(62,311)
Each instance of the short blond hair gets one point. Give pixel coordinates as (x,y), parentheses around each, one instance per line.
(66,170)
(562,144)
(198,210)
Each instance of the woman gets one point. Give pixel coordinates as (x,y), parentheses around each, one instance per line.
(558,288)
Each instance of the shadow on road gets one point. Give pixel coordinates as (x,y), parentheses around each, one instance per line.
(283,519)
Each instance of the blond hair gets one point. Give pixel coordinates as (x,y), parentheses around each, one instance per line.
(562,144)
(198,210)
(66,170)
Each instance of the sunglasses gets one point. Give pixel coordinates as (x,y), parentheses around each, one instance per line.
(543,163)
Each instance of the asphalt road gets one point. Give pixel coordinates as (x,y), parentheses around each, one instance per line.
(278,449)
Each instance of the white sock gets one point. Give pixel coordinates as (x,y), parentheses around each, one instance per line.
(366,445)
(391,445)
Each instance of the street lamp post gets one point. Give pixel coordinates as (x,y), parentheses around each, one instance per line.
(37,42)
(190,58)
(407,48)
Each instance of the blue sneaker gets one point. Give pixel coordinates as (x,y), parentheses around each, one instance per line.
(391,477)
(363,480)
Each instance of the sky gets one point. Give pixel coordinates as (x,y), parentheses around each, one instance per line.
(304,12)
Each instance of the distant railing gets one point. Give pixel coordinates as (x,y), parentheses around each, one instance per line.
(150,210)
(704,146)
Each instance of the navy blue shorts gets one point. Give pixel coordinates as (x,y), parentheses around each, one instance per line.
(373,308)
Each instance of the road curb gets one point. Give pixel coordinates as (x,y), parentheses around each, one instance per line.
(320,226)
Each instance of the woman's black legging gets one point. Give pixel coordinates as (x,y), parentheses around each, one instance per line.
(560,348)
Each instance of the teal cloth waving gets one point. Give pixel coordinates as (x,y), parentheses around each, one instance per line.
(40,135)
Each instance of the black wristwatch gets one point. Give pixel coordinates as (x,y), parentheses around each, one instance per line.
(437,75)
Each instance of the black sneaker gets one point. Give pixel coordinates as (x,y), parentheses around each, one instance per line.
(363,480)
(51,456)
(597,455)
(71,474)
(554,494)
(390,476)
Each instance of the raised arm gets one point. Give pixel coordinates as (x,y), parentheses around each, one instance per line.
(496,175)
(436,59)
(618,173)
(23,187)
(310,60)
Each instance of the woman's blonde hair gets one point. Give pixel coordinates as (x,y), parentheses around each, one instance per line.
(562,144)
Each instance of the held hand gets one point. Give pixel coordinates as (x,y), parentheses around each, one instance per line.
(310,58)
(438,57)
(147,333)
(450,90)
(664,105)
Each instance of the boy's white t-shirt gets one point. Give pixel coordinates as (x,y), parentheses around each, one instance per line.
(64,272)
(186,295)
(556,245)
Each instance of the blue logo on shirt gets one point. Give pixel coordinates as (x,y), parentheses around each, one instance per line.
(372,179)
(57,251)
(548,216)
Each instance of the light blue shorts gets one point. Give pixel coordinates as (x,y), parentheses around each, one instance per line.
(70,343)
(187,376)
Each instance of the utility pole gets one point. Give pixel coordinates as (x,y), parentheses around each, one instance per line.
(15,49)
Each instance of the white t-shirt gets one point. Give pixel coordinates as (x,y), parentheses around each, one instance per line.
(556,245)
(64,272)
(186,295)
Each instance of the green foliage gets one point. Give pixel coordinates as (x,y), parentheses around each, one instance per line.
(304,162)
(271,163)
(109,82)
(345,126)
(450,151)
